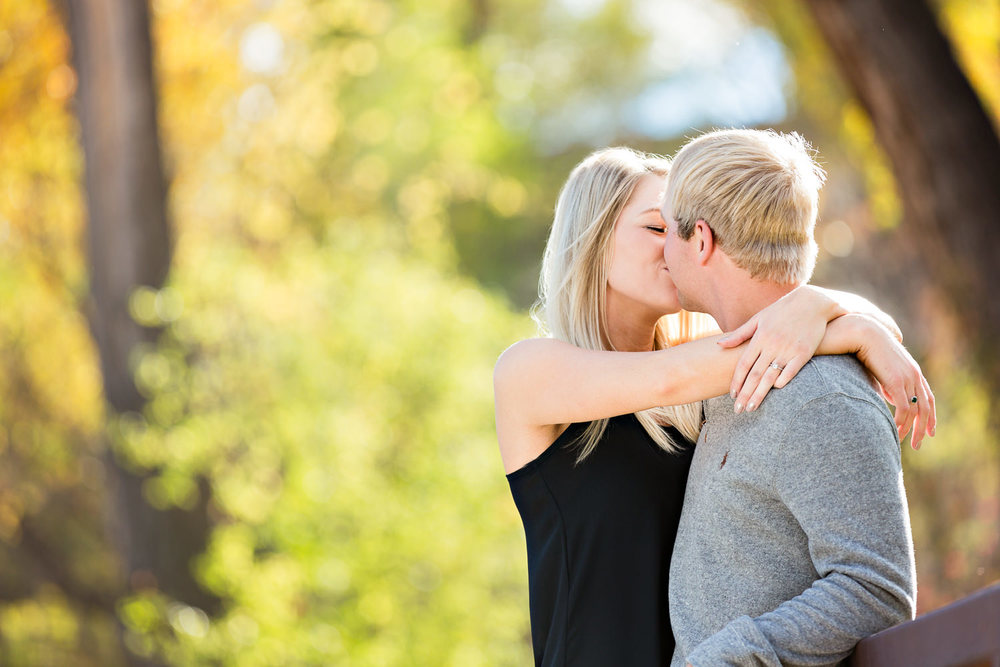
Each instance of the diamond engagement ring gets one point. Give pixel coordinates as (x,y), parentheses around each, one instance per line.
(776,366)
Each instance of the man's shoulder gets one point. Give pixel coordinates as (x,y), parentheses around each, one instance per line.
(831,375)
(829,392)
(828,383)
(836,391)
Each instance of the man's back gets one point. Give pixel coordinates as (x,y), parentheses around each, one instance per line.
(795,539)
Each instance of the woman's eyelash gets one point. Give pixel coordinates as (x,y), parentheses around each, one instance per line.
(654,228)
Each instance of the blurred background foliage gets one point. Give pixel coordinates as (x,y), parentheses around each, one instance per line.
(359,195)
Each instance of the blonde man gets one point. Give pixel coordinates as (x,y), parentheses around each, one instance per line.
(794,541)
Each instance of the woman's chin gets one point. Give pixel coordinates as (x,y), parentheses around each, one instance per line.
(670,302)
(669,307)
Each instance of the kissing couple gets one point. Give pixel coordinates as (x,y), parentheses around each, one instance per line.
(697,499)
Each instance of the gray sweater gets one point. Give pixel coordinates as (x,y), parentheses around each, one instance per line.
(794,541)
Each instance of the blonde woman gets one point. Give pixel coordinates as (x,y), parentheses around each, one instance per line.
(595,422)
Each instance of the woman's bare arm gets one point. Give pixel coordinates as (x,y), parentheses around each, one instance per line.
(541,384)
(543,381)
(859,305)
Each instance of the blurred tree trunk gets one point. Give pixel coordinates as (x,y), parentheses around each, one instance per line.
(944,150)
(129,247)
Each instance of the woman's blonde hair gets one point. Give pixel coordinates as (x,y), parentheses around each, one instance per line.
(573,284)
(758,191)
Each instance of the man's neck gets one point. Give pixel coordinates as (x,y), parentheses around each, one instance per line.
(738,301)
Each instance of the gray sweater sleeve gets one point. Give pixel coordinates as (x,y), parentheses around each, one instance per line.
(838,472)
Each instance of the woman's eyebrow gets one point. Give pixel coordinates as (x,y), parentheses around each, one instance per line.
(650,210)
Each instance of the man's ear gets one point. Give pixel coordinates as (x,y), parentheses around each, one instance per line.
(704,239)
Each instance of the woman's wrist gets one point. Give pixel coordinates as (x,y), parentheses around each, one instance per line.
(850,333)
(847,302)
(833,305)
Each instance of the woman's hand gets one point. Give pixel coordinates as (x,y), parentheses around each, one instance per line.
(783,338)
(901,381)
(897,374)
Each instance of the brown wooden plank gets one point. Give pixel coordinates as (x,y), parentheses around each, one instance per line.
(963,634)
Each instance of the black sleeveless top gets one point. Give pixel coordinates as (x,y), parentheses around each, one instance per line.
(599,538)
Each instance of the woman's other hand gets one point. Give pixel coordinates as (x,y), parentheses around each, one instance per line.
(900,379)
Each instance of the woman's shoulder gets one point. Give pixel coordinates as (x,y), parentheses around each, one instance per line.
(512,362)
(526,349)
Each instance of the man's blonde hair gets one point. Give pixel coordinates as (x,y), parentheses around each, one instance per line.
(758,191)
(573,284)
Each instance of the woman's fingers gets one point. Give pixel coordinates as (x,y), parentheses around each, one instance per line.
(740,335)
(766,383)
(919,417)
(893,390)
(743,366)
(903,411)
(904,386)
(907,411)
(755,359)
(932,422)
(792,368)
(759,381)
(774,375)
(928,414)
(923,415)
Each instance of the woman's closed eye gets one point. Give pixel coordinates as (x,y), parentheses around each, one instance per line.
(659,229)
